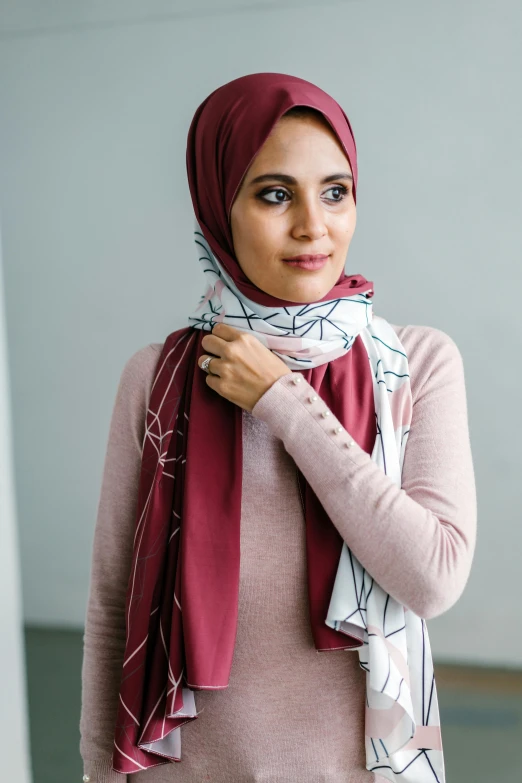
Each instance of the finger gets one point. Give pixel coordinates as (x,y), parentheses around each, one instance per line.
(212,344)
(225,331)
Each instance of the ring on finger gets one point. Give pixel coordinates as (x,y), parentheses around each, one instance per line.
(205,364)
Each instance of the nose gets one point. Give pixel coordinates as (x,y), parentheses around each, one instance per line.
(309,219)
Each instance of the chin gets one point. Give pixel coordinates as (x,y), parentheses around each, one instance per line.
(306,293)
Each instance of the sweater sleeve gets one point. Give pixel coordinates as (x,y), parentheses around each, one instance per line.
(417,540)
(104,635)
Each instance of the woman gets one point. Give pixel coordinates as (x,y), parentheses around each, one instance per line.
(259,503)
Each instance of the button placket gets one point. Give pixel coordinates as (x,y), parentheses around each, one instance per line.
(324,413)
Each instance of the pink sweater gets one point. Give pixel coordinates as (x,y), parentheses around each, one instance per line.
(290,714)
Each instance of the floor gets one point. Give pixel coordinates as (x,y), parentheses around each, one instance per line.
(481,714)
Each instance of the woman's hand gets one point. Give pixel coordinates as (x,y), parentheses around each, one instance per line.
(242,368)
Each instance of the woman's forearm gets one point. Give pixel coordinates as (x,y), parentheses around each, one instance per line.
(416,541)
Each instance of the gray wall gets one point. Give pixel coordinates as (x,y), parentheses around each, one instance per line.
(97,99)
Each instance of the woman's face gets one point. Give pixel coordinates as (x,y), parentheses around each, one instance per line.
(293,211)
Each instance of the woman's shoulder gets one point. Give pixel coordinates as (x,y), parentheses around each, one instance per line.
(138,371)
(143,361)
(423,339)
(433,355)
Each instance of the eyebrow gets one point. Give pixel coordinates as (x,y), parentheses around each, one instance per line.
(288,180)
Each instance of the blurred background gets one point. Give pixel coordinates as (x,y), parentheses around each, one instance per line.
(95,103)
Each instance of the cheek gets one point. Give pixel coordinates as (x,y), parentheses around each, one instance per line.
(345,229)
(257,245)
(264,237)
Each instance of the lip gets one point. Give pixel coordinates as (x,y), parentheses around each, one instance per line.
(307,261)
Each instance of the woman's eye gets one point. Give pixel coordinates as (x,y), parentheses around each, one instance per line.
(271,193)
(343,192)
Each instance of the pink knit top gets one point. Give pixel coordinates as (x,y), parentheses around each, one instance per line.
(290,713)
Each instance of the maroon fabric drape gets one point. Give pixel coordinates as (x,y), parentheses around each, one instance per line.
(181,604)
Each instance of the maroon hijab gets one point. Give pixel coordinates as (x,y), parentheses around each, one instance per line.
(182,595)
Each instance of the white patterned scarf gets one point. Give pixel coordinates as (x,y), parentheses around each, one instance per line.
(402,722)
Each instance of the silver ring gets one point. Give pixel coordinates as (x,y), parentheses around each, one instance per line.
(205,363)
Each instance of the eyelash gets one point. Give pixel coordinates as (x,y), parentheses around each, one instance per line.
(345,191)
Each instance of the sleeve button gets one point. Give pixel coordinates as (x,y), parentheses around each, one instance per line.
(338,429)
(86,778)
(350,443)
(312,398)
(296,379)
(325,413)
